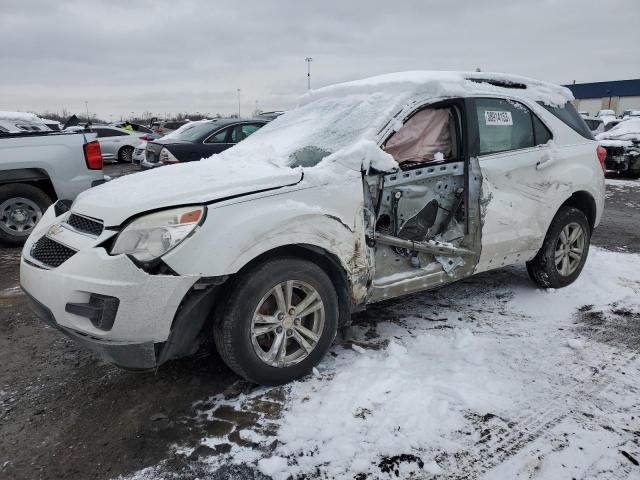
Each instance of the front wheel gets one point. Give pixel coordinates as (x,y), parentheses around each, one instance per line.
(279,321)
(564,251)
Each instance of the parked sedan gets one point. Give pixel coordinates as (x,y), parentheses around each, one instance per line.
(118,143)
(199,140)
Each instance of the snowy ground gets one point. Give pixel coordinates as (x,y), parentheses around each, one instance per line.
(490,378)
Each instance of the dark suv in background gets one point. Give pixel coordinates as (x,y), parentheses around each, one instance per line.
(199,140)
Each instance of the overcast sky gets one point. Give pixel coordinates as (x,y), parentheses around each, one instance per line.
(176,56)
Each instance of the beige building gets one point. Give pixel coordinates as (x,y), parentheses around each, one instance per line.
(617,95)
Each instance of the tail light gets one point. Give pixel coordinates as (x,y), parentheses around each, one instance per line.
(93,155)
(167,157)
(602,155)
(146,138)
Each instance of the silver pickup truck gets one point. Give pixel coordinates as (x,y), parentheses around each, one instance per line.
(39,168)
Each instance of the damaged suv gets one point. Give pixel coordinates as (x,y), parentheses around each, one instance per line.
(366,191)
(622,144)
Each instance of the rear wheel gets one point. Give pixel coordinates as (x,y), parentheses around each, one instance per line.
(279,321)
(125,154)
(564,251)
(21,207)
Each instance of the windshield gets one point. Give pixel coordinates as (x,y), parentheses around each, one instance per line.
(309,133)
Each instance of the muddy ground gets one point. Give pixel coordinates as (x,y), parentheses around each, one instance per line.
(64,414)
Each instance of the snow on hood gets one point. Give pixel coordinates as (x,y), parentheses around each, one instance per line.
(625,130)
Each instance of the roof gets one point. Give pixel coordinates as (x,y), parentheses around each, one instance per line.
(615,88)
(446,84)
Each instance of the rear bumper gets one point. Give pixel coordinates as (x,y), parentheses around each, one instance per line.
(130,355)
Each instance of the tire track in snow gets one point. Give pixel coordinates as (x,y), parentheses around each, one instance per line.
(528,428)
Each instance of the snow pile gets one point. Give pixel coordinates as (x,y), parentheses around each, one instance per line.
(391,402)
(363,156)
(454,383)
(625,130)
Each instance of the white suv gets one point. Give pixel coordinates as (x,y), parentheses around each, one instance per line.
(366,191)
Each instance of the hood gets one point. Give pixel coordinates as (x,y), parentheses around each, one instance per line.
(205,181)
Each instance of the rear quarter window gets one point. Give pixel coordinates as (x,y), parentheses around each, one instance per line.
(569,116)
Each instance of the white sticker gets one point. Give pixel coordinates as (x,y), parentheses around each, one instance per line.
(495,117)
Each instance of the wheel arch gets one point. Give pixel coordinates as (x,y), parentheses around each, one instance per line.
(584,202)
(35,177)
(326,260)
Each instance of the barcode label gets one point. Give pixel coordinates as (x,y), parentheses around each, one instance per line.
(495,117)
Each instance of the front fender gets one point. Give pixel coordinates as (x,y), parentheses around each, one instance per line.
(327,217)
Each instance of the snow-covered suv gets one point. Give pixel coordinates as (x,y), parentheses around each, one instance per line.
(366,191)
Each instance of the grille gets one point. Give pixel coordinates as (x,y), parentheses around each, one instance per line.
(51,253)
(85,225)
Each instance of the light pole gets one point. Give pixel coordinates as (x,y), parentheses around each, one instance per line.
(308,60)
(86,105)
(238,103)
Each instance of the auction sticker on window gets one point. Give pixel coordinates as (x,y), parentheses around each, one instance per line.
(496,117)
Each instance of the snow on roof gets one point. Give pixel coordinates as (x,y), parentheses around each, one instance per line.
(625,130)
(447,84)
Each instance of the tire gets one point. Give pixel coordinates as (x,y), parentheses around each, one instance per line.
(21,207)
(543,269)
(234,328)
(125,155)
(635,174)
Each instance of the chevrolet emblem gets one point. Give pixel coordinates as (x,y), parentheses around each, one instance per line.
(54,229)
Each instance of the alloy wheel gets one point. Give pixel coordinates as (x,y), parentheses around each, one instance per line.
(569,249)
(287,324)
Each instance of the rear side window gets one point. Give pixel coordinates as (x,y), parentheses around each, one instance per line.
(541,133)
(503,125)
(571,117)
(219,137)
(240,132)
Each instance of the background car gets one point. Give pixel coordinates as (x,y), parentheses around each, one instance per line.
(606,115)
(138,153)
(596,125)
(630,114)
(163,128)
(199,140)
(622,144)
(610,123)
(116,143)
(138,128)
(16,122)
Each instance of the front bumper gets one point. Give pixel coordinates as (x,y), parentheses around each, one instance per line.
(146,307)
(134,356)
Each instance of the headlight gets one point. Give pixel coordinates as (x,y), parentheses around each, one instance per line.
(149,237)
(167,157)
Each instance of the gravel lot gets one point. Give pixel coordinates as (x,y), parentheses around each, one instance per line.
(64,414)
